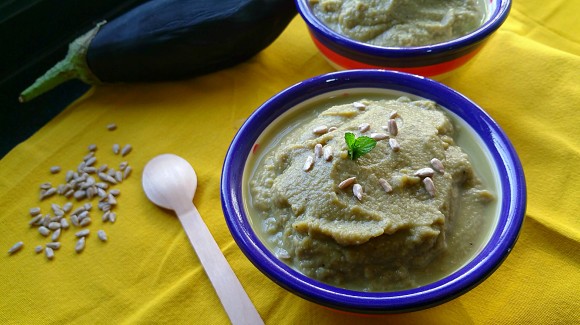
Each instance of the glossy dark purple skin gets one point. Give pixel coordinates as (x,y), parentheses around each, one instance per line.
(512,210)
(403,57)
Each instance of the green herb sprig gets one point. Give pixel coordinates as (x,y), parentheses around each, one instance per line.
(358,146)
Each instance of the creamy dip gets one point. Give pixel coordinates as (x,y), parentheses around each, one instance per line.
(385,239)
(400,23)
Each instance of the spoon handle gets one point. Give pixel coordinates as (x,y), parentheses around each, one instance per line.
(232,295)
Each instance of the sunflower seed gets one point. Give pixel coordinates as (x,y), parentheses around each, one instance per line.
(360,106)
(318,150)
(102,185)
(101,193)
(111,126)
(92,147)
(45,186)
(364,127)
(111,172)
(429,186)
(83,233)
(88,156)
(126,149)
(88,206)
(327,153)
(347,182)
(34,212)
(438,165)
(69,193)
(55,235)
(104,206)
(38,249)
(105,216)
(74,220)
(85,222)
(394,144)
(118,176)
(308,163)
(393,114)
(69,175)
(48,193)
(80,194)
(67,207)
(16,247)
(115,192)
(111,199)
(54,245)
(80,245)
(46,220)
(64,223)
(43,231)
(35,220)
(379,136)
(54,169)
(107,178)
(425,172)
(112,217)
(357,190)
(116,148)
(322,129)
(385,185)
(123,165)
(102,235)
(49,253)
(83,215)
(54,225)
(393,128)
(127,172)
(91,192)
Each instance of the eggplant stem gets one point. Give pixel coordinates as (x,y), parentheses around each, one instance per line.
(73,66)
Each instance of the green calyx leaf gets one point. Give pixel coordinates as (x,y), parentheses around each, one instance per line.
(360,146)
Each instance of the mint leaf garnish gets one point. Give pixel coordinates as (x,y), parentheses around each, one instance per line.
(358,146)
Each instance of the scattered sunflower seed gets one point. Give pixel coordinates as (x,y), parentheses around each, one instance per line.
(393,114)
(49,253)
(327,153)
(15,248)
(429,186)
(102,235)
(107,178)
(394,144)
(35,220)
(379,136)
(54,225)
(393,128)
(54,245)
(118,176)
(55,234)
(67,207)
(385,185)
(48,193)
(64,224)
(308,163)
(43,231)
(357,190)
(116,148)
(115,192)
(92,147)
(112,217)
(83,233)
(34,211)
(438,165)
(111,126)
(347,182)
(318,150)
(126,149)
(85,222)
(319,130)
(425,172)
(359,106)
(80,245)
(54,169)
(127,172)
(364,127)
(38,249)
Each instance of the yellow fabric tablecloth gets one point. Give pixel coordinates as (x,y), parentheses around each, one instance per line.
(527,78)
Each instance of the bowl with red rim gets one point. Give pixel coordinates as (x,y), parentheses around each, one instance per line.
(434,61)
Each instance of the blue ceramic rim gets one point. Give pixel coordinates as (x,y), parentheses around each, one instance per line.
(351,46)
(512,208)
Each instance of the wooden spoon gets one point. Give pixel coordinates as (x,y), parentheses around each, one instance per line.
(170,182)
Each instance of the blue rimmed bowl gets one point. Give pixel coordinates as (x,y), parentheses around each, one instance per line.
(434,61)
(511,192)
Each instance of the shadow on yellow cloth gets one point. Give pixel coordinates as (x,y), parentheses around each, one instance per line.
(526,78)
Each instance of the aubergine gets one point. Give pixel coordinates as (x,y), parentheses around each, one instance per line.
(169,40)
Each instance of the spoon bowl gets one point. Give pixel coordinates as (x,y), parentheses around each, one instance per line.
(170,182)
